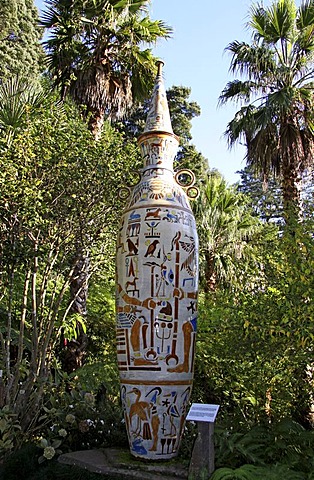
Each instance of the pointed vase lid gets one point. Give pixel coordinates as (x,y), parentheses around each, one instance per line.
(158,117)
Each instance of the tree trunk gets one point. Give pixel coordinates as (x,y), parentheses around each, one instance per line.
(210,274)
(291,190)
(75,348)
(95,123)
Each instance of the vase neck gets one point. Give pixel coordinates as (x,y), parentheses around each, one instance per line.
(158,143)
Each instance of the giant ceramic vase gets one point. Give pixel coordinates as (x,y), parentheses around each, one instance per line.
(156,288)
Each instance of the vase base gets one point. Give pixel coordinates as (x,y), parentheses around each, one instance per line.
(159,457)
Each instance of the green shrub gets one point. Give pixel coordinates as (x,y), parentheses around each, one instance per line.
(282,450)
(21,464)
(74,419)
(250,472)
(9,430)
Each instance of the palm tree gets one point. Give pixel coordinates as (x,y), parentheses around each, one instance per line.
(276,120)
(225,227)
(18,101)
(96,53)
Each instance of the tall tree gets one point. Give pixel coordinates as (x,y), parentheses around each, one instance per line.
(20,50)
(276,121)
(182,111)
(96,53)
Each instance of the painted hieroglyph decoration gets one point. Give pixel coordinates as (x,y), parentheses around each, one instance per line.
(156,289)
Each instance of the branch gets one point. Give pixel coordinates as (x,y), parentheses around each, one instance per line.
(21,336)
(34,307)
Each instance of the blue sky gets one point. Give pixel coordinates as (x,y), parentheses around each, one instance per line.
(194,57)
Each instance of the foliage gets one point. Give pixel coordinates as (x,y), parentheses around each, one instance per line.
(275,122)
(250,472)
(9,429)
(265,199)
(285,442)
(59,202)
(18,101)
(54,191)
(225,228)
(182,110)
(272,451)
(254,344)
(73,419)
(20,50)
(96,53)
(101,326)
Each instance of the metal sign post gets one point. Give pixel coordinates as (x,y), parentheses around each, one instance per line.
(203,455)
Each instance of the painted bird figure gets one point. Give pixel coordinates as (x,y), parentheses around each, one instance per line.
(151,248)
(140,410)
(132,247)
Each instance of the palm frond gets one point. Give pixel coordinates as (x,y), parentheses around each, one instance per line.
(238,91)
(305,14)
(274,23)
(15,97)
(240,128)
(17,101)
(224,226)
(252,60)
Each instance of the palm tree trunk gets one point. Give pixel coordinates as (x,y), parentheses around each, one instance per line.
(291,190)
(96,122)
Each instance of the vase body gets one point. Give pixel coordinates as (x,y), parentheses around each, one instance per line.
(156,309)
(156,303)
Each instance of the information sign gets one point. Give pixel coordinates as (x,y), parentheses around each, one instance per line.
(202,412)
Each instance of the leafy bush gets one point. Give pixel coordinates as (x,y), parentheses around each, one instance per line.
(255,345)
(249,472)
(283,450)
(9,430)
(74,419)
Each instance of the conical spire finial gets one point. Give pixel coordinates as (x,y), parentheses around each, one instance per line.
(158,117)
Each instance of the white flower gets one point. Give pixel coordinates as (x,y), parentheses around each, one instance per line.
(62,432)
(49,453)
(70,418)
